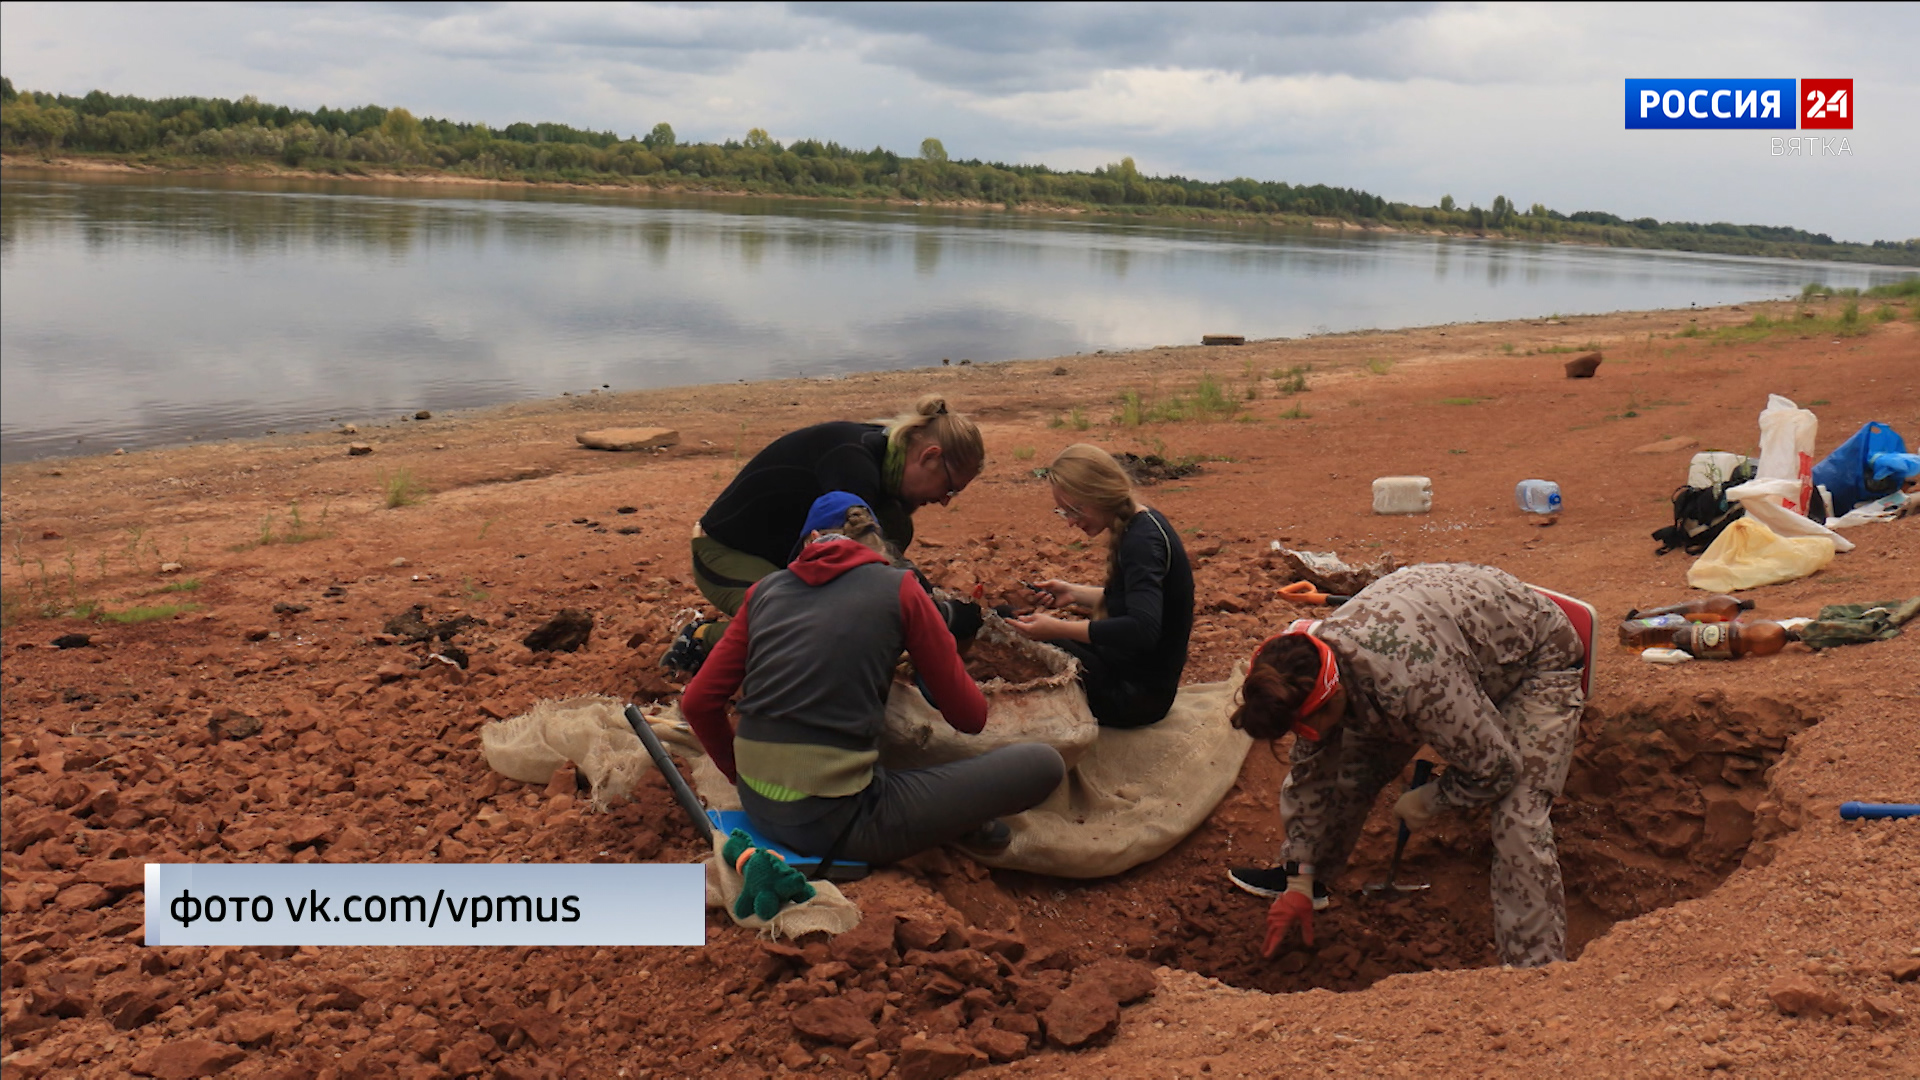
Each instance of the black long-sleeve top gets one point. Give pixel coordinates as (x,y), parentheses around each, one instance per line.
(1149,603)
(762,510)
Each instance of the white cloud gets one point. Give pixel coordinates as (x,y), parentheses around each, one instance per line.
(1409,101)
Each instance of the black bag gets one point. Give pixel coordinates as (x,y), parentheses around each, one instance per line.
(1700,515)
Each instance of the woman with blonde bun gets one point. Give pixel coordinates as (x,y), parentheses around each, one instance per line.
(927,455)
(1133,647)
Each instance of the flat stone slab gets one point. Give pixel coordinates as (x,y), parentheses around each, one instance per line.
(1664,446)
(628,438)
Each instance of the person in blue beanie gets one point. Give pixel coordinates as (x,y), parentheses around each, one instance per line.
(811,655)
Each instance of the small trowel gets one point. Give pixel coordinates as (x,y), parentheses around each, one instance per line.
(1422,772)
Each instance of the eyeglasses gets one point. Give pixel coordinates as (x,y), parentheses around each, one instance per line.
(1070,513)
(952,488)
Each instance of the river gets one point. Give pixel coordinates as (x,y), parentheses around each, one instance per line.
(144,311)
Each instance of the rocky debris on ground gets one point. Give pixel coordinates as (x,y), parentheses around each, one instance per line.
(1153,469)
(1583,366)
(359,449)
(629,438)
(411,626)
(565,632)
(72,641)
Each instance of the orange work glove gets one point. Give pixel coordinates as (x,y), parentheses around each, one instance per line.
(1290,907)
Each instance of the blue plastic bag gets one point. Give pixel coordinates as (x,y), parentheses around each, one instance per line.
(1870,465)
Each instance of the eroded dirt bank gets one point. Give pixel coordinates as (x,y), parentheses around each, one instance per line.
(1707,866)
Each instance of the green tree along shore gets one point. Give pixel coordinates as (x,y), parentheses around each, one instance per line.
(192,132)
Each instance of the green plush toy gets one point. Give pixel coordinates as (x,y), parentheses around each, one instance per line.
(768,883)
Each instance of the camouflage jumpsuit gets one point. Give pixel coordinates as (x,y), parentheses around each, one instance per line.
(1470,661)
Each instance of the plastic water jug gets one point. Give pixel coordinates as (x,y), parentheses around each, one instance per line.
(1402,495)
(1537,496)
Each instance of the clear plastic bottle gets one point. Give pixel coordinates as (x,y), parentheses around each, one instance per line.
(1537,496)
(1701,609)
(1730,641)
(1654,633)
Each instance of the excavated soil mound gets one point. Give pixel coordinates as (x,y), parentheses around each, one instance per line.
(996,660)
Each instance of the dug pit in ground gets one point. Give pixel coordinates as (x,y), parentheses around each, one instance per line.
(1665,799)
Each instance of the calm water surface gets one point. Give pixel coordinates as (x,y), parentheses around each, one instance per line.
(139,312)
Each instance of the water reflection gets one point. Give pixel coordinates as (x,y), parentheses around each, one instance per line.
(142,310)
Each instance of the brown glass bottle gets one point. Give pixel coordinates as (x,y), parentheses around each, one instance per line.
(1703,609)
(1729,641)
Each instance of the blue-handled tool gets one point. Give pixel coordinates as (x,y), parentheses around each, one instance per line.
(1422,771)
(1853,811)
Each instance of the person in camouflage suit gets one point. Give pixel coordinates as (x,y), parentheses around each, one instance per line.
(1465,659)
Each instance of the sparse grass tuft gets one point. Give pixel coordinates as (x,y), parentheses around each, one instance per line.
(297,531)
(1463,400)
(183,585)
(1293,380)
(147,613)
(400,488)
(1023,453)
(1379,365)
(1296,413)
(1210,400)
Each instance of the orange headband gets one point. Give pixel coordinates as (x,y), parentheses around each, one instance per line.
(1323,687)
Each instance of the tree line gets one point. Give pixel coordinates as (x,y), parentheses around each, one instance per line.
(188,130)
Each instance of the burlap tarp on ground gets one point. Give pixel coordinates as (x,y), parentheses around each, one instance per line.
(589,730)
(1135,793)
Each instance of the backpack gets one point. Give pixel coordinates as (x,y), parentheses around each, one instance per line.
(1700,515)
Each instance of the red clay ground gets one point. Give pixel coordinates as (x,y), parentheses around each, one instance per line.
(1712,885)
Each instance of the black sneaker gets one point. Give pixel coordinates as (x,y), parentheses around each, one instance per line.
(1269,883)
(991,838)
(692,644)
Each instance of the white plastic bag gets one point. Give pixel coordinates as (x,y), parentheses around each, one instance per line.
(1787,432)
(1885,509)
(1763,498)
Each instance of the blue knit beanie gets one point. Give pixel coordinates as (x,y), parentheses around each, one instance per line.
(829,512)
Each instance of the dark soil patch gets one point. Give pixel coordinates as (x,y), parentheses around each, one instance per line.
(995,660)
(1153,469)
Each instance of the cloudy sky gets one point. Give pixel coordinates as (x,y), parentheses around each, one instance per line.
(1410,101)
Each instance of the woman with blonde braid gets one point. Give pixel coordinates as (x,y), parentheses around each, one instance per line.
(1134,647)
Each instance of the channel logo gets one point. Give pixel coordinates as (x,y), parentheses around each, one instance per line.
(1742,104)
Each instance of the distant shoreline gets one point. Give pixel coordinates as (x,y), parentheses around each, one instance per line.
(13,160)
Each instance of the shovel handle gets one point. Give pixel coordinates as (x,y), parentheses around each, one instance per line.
(702,825)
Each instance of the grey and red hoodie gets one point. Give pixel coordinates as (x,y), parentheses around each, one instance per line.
(812,653)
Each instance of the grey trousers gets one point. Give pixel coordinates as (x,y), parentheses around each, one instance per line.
(902,813)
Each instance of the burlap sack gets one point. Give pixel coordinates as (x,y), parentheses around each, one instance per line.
(829,910)
(1136,793)
(1052,710)
(590,730)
